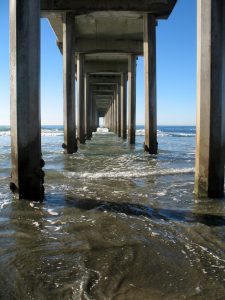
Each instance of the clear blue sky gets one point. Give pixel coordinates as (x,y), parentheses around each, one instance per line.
(176,70)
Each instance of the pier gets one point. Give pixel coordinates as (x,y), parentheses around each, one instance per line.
(100,42)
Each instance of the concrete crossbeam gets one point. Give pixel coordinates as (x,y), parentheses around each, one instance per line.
(161,8)
(106,46)
(109,45)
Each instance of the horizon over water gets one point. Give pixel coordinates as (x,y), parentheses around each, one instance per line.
(116,223)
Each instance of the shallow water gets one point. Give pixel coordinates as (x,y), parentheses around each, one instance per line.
(116,223)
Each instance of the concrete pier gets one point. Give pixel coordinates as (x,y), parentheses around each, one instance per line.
(131,98)
(151,145)
(124,105)
(70,143)
(210,143)
(80,99)
(27,176)
(108,50)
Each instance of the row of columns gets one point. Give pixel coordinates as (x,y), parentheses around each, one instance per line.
(27,163)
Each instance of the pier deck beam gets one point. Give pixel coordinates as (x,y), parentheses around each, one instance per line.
(151,145)
(209,173)
(80,99)
(132,98)
(27,176)
(70,143)
(124,105)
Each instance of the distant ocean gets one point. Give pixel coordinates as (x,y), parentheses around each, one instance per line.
(116,223)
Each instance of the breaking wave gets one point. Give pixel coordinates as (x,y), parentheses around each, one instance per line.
(139,132)
(127,174)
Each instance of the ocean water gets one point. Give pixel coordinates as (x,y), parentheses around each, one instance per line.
(116,223)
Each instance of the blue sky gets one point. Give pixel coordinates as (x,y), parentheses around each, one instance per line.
(176,70)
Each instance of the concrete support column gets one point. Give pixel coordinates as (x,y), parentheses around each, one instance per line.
(113,119)
(132,98)
(88,131)
(119,110)
(115,110)
(27,176)
(98,116)
(111,116)
(91,109)
(94,114)
(124,105)
(210,145)
(80,99)
(149,38)
(70,143)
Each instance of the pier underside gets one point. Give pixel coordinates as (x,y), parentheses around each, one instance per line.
(100,42)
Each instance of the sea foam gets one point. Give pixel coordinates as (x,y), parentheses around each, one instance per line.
(128,174)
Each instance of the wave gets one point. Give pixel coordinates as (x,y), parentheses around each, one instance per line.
(139,132)
(44,132)
(127,174)
(160,133)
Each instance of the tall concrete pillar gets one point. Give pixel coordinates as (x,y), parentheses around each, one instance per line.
(210,144)
(111,116)
(70,143)
(91,109)
(115,110)
(132,98)
(113,119)
(27,176)
(119,110)
(98,116)
(88,131)
(149,38)
(80,99)
(94,114)
(124,105)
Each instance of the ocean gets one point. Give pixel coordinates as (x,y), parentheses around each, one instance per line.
(116,223)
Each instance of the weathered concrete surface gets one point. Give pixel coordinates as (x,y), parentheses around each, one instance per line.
(161,8)
(27,176)
(124,105)
(151,145)
(131,98)
(70,143)
(209,173)
(80,99)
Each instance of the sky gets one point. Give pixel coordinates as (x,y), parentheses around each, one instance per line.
(176,70)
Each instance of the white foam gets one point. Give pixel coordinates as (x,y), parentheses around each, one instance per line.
(44,132)
(127,174)
(52,212)
(102,130)
(4,133)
